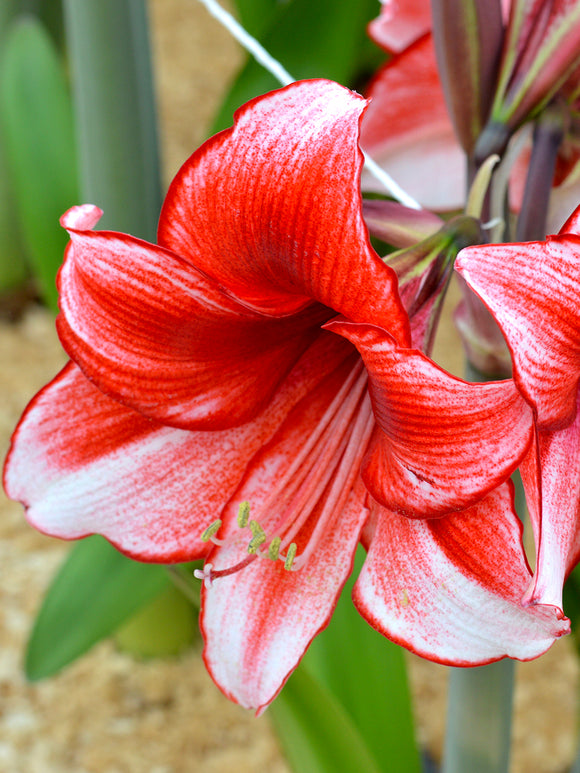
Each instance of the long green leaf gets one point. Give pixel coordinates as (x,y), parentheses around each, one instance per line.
(312,39)
(317,735)
(367,673)
(36,117)
(13,270)
(95,591)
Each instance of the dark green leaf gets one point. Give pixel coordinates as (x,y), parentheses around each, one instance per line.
(35,112)
(316,733)
(256,15)
(572,604)
(95,591)
(321,39)
(367,673)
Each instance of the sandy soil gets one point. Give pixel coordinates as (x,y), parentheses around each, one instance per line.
(109,713)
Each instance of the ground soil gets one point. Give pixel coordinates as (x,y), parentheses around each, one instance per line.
(110,713)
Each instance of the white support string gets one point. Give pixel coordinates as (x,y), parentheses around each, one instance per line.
(257,50)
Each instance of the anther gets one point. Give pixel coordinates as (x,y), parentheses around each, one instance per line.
(255,543)
(274,548)
(211,531)
(243,514)
(258,538)
(290,556)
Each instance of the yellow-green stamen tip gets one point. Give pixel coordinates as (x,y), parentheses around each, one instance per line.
(257,530)
(243,514)
(274,548)
(290,556)
(211,530)
(255,542)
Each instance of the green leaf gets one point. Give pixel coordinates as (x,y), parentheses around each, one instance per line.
(321,39)
(165,626)
(255,15)
(572,604)
(316,733)
(37,125)
(367,674)
(96,589)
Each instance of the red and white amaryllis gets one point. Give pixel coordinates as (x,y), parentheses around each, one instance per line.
(223,367)
(532,290)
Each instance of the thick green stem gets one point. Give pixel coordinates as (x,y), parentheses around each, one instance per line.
(479,702)
(548,135)
(115,112)
(479,715)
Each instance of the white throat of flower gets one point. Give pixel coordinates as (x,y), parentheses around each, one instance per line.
(255,48)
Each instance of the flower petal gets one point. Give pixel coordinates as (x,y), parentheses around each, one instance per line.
(407,130)
(532,291)
(552,483)
(258,622)
(449,589)
(442,443)
(151,331)
(271,209)
(400,23)
(83,463)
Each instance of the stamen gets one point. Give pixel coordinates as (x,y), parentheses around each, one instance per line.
(243,514)
(274,548)
(259,537)
(290,556)
(211,530)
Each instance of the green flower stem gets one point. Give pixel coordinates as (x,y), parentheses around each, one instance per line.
(479,716)
(480,699)
(115,112)
(548,136)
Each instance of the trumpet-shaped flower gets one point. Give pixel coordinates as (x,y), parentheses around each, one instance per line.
(532,290)
(218,407)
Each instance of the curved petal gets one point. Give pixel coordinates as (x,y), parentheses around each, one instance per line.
(553,495)
(151,331)
(83,463)
(442,443)
(258,622)
(400,23)
(449,589)
(532,291)
(271,209)
(407,130)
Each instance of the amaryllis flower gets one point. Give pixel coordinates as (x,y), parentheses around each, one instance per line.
(208,413)
(533,291)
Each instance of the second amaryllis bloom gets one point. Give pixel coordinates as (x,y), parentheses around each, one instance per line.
(245,392)
(532,289)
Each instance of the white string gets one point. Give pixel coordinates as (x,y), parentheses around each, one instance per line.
(257,50)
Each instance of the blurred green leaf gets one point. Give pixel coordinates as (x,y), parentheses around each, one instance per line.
(317,735)
(256,15)
(13,269)
(37,125)
(167,625)
(367,674)
(571,603)
(95,591)
(311,39)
